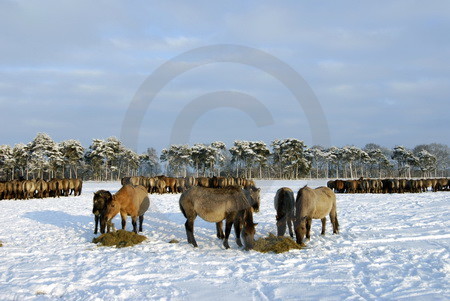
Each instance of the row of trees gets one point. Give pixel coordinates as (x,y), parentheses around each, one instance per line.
(288,158)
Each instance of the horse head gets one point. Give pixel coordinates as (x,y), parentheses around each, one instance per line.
(253,196)
(101,200)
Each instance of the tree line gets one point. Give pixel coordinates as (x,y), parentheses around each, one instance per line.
(109,159)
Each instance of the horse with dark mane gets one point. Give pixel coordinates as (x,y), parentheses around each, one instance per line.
(215,205)
(131,201)
(314,204)
(99,207)
(284,205)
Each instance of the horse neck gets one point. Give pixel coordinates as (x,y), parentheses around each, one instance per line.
(248,216)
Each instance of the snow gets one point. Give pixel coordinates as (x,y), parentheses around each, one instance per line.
(390,247)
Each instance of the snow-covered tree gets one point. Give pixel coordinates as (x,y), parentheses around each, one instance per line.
(45,156)
(261,154)
(21,156)
(289,154)
(149,162)
(426,163)
(219,149)
(405,160)
(242,156)
(72,153)
(7,161)
(177,157)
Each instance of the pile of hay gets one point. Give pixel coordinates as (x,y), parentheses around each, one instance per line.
(1,244)
(120,239)
(275,244)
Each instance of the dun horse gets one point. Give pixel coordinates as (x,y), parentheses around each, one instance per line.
(215,205)
(314,204)
(253,196)
(129,201)
(284,205)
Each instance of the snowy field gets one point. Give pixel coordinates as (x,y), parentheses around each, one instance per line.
(391,247)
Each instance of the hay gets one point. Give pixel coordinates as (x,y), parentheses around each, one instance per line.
(1,244)
(120,239)
(275,244)
(174,241)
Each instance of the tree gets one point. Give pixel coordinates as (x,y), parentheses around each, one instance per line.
(289,154)
(219,149)
(442,154)
(72,154)
(240,153)
(149,162)
(178,158)
(96,158)
(426,163)
(261,154)
(45,156)
(7,161)
(405,160)
(21,155)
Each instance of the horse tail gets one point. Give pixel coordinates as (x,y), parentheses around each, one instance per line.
(182,211)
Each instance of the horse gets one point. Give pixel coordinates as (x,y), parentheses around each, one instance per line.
(215,205)
(252,195)
(131,201)
(314,204)
(284,204)
(99,208)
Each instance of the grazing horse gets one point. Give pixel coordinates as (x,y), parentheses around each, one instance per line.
(215,205)
(129,201)
(314,204)
(252,195)
(284,203)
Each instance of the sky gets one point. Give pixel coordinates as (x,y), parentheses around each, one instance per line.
(365,72)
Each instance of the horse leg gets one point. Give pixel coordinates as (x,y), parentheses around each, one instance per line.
(290,223)
(228,225)
(134,223)
(324,223)
(97,217)
(334,221)
(308,227)
(141,221)
(189,225)
(124,220)
(219,229)
(281,225)
(237,231)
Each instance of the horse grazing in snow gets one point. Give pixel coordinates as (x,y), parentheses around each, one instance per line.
(128,201)
(314,204)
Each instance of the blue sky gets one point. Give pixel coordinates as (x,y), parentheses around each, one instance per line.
(379,69)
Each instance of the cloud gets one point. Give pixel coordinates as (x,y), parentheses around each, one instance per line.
(72,68)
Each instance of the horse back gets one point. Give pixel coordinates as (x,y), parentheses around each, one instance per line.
(315,203)
(284,200)
(131,198)
(212,204)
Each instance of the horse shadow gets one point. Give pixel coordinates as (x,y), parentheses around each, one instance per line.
(79,223)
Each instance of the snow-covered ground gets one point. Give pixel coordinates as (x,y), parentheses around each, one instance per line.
(391,247)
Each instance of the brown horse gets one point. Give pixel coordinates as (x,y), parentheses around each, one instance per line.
(314,204)
(99,207)
(215,205)
(284,205)
(129,201)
